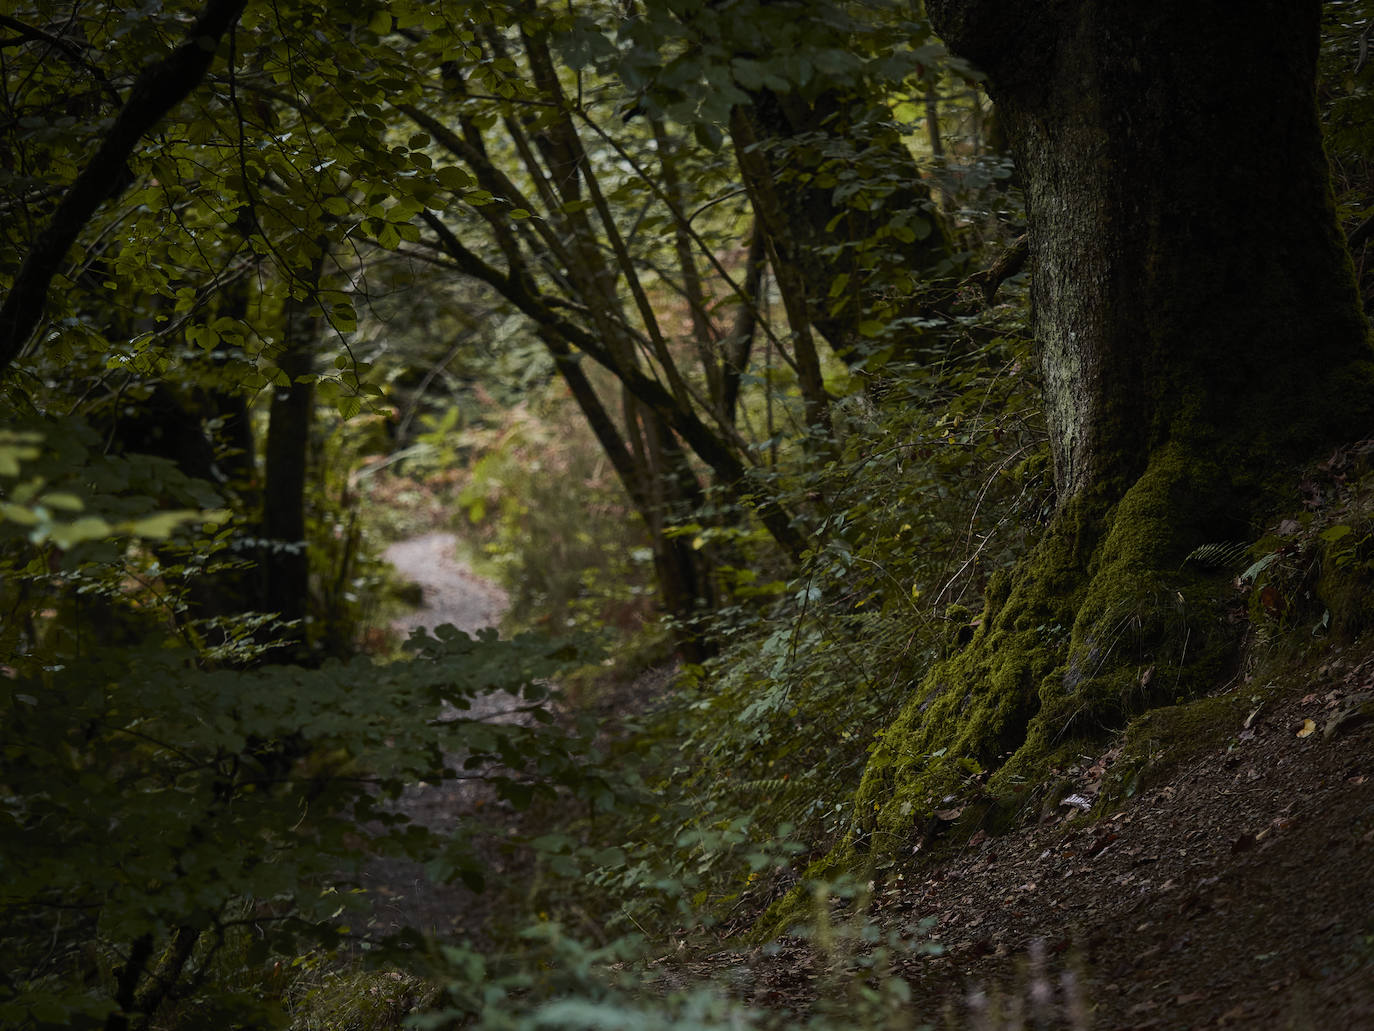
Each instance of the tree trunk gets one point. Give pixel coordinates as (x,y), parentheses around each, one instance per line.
(849,201)
(1190,283)
(285,559)
(158,89)
(1200,336)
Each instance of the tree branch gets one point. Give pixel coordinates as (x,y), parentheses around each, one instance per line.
(727,466)
(158,89)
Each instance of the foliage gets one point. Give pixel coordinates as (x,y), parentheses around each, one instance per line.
(563,983)
(746,767)
(553,526)
(153,808)
(447,234)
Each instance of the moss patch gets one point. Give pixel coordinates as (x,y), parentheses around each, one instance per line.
(1100,622)
(1157,742)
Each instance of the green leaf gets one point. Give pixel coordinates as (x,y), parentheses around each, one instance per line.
(389,238)
(453,178)
(160,525)
(708,135)
(20,514)
(88,528)
(63,502)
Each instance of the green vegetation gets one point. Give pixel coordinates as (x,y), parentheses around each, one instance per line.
(708,330)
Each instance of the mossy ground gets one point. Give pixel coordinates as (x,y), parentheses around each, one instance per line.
(1103,622)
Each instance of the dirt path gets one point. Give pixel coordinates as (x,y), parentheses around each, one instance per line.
(1237,891)
(452,593)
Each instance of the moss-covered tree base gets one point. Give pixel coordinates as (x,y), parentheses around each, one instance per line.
(1101,621)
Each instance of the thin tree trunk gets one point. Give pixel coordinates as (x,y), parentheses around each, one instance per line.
(758,179)
(704,336)
(741,340)
(823,237)
(285,560)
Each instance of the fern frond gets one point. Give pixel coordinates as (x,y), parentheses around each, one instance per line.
(1219,554)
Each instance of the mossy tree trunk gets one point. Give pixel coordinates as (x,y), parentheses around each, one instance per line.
(1200,335)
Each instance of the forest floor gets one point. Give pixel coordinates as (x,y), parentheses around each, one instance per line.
(1234,889)
(449,592)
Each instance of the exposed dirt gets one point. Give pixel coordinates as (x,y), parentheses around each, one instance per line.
(450,593)
(1237,891)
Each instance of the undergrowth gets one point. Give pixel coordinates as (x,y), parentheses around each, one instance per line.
(743,771)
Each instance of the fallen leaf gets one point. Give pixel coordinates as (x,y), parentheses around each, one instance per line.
(1272,600)
(1232,1015)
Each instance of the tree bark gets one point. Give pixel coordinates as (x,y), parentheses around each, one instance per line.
(1189,280)
(1200,336)
(285,561)
(804,156)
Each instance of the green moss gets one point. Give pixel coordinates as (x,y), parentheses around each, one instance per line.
(1095,625)
(1098,623)
(1345,582)
(361,1001)
(1156,742)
